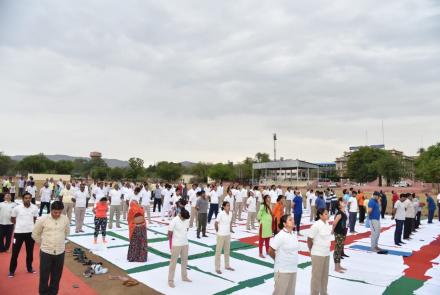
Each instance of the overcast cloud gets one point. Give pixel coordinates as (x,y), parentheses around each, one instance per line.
(212,80)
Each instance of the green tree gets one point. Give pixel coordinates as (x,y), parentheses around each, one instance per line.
(6,164)
(100,173)
(168,171)
(243,170)
(92,164)
(201,170)
(136,168)
(117,173)
(36,164)
(362,166)
(262,157)
(389,167)
(64,167)
(428,165)
(222,172)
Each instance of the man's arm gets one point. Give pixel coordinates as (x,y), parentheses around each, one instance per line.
(272,253)
(37,232)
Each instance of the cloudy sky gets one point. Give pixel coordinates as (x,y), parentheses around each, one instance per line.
(212,80)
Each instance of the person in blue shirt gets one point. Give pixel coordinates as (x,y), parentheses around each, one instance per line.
(374,216)
(320,202)
(297,204)
(431,207)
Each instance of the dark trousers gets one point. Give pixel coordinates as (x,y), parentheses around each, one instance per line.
(352,220)
(413,225)
(51,267)
(157,202)
(201,223)
(334,205)
(384,208)
(5,236)
(361,214)
(42,205)
(417,220)
(430,215)
(213,209)
(16,247)
(20,191)
(327,206)
(297,219)
(33,201)
(100,225)
(398,231)
(407,228)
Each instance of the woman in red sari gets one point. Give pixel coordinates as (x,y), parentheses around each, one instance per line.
(138,248)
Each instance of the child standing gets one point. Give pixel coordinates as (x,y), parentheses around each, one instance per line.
(100,211)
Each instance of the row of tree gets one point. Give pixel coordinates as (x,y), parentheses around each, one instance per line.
(368,164)
(98,168)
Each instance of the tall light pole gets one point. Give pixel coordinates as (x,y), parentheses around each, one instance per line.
(274,147)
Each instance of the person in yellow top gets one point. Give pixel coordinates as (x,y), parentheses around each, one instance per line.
(66,195)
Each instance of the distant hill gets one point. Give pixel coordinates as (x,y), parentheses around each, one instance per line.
(110,162)
(187,164)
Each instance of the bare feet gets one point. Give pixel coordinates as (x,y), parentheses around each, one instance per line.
(262,256)
(229,268)
(339,270)
(171,284)
(219,272)
(187,280)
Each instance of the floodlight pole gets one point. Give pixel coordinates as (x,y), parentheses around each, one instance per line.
(274,147)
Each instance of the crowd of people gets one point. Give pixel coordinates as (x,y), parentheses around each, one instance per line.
(276,212)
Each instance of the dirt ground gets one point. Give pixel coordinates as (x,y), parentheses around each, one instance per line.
(101,283)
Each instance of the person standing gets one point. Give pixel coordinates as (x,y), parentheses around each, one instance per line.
(431,207)
(80,198)
(223,228)
(157,198)
(239,202)
(145,200)
(399,216)
(50,232)
(178,235)
(100,210)
(21,186)
(409,215)
(32,189)
(213,206)
(340,231)
(265,218)
(24,217)
(192,196)
(45,198)
(116,200)
(297,211)
(251,205)
(383,204)
(395,197)
(6,226)
(278,212)
(284,250)
(312,205)
(138,248)
(374,217)
(126,193)
(167,201)
(202,215)
(352,212)
(318,242)
(230,199)
(360,199)
(418,210)
(67,194)
(288,201)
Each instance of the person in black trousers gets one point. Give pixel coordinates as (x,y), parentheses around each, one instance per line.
(6,226)
(383,203)
(50,232)
(24,217)
(157,198)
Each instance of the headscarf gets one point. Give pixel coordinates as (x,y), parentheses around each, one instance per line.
(134,211)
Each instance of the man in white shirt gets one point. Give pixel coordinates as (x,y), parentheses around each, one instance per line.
(220,191)
(116,200)
(352,211)
(126,192)
(311,200)
(24,217)
(167,201)
(21,186)
(238,202)
(399,215)
(32,189)
(288,201)
(273,196)
(98,193)
(192,196)
(6,226)
(67,194)
(178,235)
(251,203)
(45,198)
(223,226)
(146,197)
(409,215)
(213,206)
(80,198)
(279,191)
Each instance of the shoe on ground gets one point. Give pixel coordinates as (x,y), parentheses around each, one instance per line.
(11,275)
(32,271)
